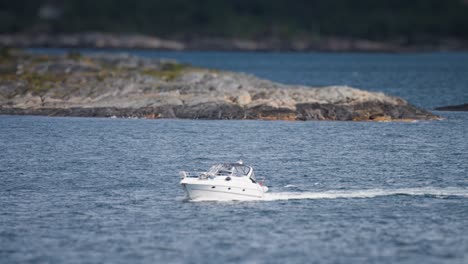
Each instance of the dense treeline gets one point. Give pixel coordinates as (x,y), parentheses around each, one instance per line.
(372,19)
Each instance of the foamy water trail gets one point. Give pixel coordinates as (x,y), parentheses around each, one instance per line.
(367,193)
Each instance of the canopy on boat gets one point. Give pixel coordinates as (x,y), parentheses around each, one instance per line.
(231,169)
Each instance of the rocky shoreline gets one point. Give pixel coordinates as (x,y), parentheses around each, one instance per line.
(126,86)
(99,40)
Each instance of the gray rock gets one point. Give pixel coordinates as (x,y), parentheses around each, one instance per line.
(126,86)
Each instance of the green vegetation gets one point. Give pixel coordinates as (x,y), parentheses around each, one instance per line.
(40,58)
(5,53)
(416,20)
(168,72)
(6,64)
(40,83)
(74,55)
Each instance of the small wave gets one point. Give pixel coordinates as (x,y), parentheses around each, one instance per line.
(368,193)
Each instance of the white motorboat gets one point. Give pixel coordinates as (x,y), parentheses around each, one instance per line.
(223,182)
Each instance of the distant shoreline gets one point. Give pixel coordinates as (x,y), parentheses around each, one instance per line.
(461,108)
(137,41)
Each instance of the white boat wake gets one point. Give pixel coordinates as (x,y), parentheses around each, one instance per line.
(367,193)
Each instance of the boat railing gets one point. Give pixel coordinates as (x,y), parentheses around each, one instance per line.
(188,174)
(262,181)
(195,174)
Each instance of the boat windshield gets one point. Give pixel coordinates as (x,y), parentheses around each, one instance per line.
(229,169)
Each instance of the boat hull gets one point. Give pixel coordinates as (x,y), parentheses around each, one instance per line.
(211,192)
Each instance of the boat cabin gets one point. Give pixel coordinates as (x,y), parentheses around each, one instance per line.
(232,170)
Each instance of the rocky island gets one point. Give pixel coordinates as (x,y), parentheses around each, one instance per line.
(109,85)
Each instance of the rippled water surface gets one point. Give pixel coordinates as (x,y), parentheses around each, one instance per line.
(106,190)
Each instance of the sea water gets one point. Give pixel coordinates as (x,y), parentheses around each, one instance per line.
(99,190)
